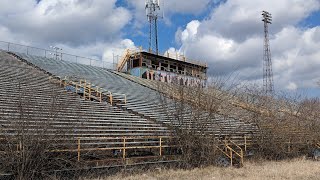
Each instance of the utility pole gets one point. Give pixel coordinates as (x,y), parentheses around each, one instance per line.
(267,63)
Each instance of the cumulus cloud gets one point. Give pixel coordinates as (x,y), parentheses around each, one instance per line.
(114,51)
(241,19)
(231,40)
(87,28)
(189,33)
(292,86)
(72,22)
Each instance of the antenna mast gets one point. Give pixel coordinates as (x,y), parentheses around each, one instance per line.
(152,10)
(267,64)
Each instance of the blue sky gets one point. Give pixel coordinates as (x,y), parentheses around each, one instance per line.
(228,34)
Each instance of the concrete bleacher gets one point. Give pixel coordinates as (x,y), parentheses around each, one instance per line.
(141,99)
(29,102)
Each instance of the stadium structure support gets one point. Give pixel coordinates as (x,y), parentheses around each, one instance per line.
(268,86)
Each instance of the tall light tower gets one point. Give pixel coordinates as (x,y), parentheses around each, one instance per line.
(152,12)
(56,52)
(267,64)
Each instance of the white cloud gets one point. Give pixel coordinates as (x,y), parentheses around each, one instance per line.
(116,50)
(240,19)
(231,40)
(191,31)
(292,86)
(73,22)
(86,28)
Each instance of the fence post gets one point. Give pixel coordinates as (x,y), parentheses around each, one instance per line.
(111,99)
(84,89)
(78,149)
(241,157)
(89,86)
(160,147)
(245,143)
(8,46)
(230,158)
(124,148)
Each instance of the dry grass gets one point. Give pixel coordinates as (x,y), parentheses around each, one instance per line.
(294,169)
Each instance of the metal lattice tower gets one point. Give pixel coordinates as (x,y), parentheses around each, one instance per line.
(152,11)
(267,64)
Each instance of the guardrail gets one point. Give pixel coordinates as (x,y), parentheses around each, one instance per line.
(122,144)
(125,144)
(35,51)
(91,91)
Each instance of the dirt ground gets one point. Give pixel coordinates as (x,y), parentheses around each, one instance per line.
(297,169)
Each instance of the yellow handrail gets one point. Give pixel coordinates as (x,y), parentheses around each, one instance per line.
(123,60)
(124,147)
(229,151)
(90,91)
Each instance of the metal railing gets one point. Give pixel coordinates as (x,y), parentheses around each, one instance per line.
(91,91)
(123,144)
(232,150)
(35,51)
